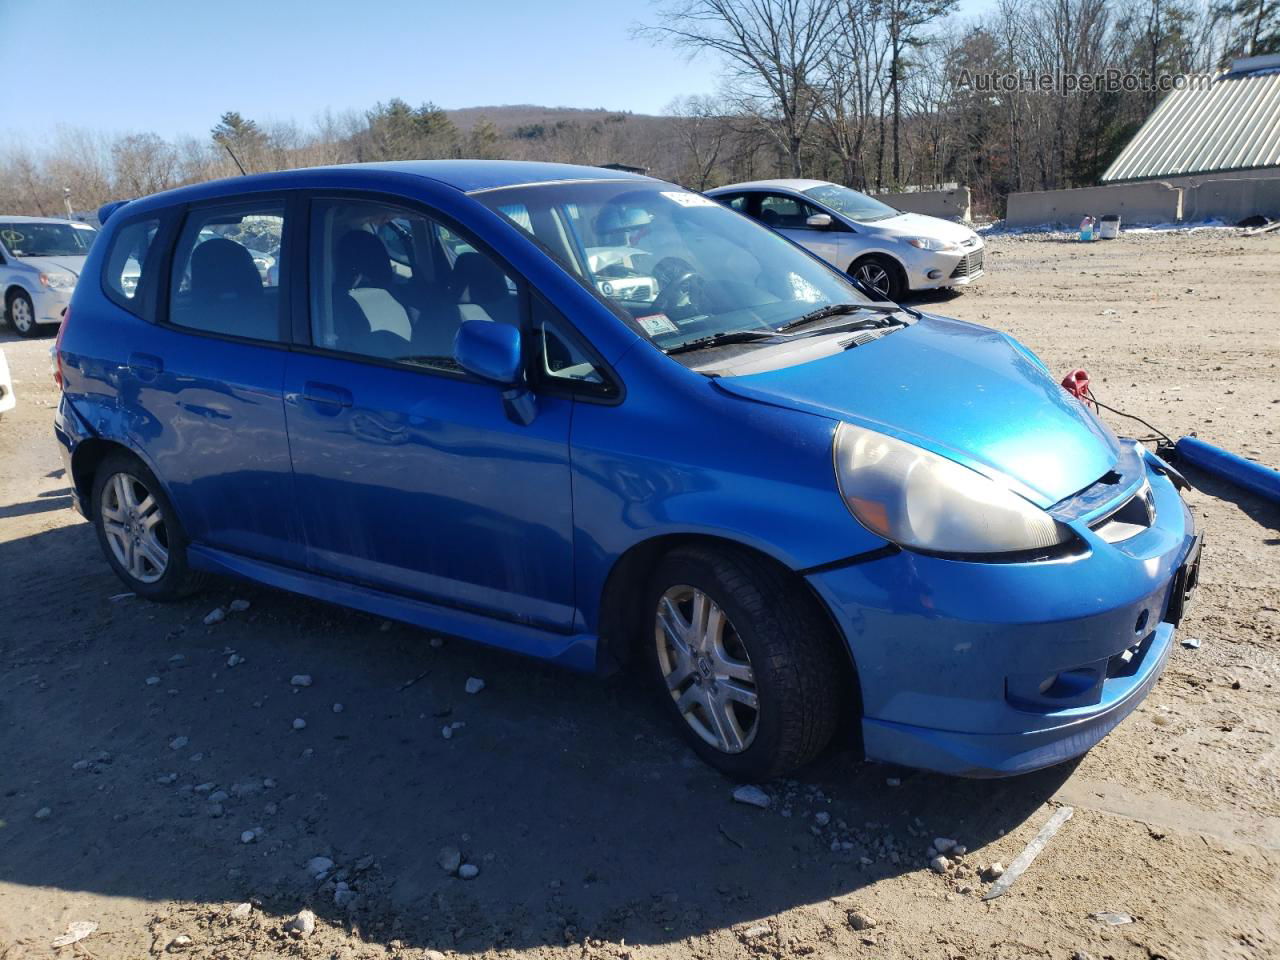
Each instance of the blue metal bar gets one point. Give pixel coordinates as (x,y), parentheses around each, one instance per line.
(1256,477)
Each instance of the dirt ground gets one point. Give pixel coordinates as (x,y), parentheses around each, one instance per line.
(134,758)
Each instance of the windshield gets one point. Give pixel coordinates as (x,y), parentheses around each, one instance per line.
(851,203)
(677,266)
(47,239)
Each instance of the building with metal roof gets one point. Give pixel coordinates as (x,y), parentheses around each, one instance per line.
(1229,127)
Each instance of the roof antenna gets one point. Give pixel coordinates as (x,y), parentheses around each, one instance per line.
(227,147)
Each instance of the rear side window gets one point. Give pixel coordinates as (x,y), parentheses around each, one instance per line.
(227,269)
(126,262)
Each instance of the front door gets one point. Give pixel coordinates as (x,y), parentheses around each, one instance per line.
(789,215)
(410,476)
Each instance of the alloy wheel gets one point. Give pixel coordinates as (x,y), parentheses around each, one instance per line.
(707,669)
(135,527)
(875,277)
(20,315)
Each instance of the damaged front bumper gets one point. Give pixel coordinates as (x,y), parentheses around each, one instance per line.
(993,669)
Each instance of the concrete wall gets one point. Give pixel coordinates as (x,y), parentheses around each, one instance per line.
(1135,203)
(1231,200)
(948,204)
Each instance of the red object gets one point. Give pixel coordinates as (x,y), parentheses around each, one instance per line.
(1076,383)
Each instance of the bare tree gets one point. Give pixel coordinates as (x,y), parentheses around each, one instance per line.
(701,129)
(772,50)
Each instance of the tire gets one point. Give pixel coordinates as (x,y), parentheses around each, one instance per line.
(128,542)
(768,625)
(880,274)
(22,314)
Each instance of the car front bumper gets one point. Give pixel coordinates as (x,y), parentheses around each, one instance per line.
(49,305)
(994,669)
(932,270)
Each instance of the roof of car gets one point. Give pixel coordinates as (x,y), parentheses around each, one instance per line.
(793,184)
(17,219)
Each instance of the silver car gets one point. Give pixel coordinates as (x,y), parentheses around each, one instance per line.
(40,262)
(889,251)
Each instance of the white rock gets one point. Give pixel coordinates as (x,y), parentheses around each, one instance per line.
(822,818)
(235,660)
(446,732)
(939,864)
(1111,919)
(216,615)
(754,933)
(861,921)
(752,796)
(303,925)
(167,778)
(76,932)
(239,606)
(44,813)
(218,796)
(959,850)
(177,743)
(241,911)
(474,685)
(248,836)
(994,872)
(943,844)
(301,680)
(80,765)
(338,708)
(180,942)
(152,681)
(319,865)
(468,871)
(299,724)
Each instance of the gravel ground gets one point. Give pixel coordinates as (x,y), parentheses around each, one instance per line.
(155,780)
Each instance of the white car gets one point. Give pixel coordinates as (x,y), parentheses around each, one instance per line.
(7,399)
(888,251)
(40,262)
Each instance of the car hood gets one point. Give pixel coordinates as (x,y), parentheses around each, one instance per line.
(965,392)
(918,225)
(72,265)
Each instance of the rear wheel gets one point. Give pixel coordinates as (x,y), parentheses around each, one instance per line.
(880,275)
(744,661)
(139,531)
(22,315)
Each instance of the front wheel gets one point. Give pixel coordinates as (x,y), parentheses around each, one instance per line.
(881,276)
(139,531)
(744,661)
(22,315)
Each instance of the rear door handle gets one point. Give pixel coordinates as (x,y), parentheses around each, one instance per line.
(145,366)
(326,394)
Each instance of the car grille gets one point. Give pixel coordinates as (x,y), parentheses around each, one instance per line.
(969,265)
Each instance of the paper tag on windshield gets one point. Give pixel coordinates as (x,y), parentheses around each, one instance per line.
(687,199)
(656,323)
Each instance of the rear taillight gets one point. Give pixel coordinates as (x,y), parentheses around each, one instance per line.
(57,348)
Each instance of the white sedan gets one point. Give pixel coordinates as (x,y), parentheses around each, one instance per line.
(888,251)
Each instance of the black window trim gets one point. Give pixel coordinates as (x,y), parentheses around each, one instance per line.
(301,302)
(181,214)
(144,301)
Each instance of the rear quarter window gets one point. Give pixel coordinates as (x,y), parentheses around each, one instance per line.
(125,268)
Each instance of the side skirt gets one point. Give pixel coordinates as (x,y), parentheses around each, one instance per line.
(576,651)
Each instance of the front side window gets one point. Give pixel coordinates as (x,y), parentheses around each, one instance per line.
(783,212)
(396,284)
(123,267)
(854,205)
(227,269)
(47,239)
(678,266)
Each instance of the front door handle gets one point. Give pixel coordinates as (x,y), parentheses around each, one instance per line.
(326,394)
(145,366)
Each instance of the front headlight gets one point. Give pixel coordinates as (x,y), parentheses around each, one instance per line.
(58,281)
(928,243)
(918,499)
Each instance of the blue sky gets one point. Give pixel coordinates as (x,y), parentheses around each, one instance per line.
(173,66)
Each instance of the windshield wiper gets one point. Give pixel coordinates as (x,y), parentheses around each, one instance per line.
(834,310)
(719,339)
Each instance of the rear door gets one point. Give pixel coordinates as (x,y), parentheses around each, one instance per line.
(203,387)
(410,476)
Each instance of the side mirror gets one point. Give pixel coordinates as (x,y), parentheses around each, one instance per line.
(820,221)
(489,350)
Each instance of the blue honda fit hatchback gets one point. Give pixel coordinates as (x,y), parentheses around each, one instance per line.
(598,419)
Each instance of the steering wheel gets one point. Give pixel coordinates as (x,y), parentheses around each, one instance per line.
(678,280)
